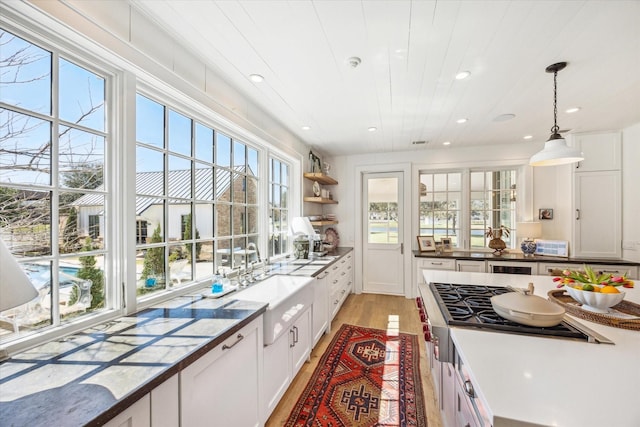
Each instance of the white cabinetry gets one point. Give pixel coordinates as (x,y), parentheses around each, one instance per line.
(223,386)
(602,151)
(598,214)
(465,415)
(283,359)
(136,415)
(473,266)
(159,408)
(597,184)
(165,403)
(320,309)
(448,392)
(341,281)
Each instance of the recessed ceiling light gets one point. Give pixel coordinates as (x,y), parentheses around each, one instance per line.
(306,127)
(463,75)
(446,143)
(504,117)
(527,137)
(372,129)
(462,121)
(257,78)
(572,110)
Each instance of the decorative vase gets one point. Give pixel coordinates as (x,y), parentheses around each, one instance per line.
(498,245)
(528,247)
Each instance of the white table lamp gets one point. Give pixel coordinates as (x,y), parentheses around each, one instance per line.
(15,287)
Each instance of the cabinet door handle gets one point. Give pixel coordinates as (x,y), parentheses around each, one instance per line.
(293,338)
(436,263)
(295,334)
(401,248)
(468,388)
(577,214)
(239,338)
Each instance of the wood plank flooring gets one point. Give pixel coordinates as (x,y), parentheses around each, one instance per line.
(372,311)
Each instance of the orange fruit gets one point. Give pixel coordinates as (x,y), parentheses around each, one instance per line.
(609,290)
(597,289)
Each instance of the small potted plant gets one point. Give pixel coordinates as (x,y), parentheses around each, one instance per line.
(496,243)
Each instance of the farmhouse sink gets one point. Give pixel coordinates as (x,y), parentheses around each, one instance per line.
(287,296)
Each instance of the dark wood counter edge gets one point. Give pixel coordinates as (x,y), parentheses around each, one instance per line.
(488,256)
(338,252)
(146,388)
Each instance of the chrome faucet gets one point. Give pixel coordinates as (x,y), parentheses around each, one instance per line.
(253,246)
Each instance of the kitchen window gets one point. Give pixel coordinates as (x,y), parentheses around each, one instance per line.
(53,154)
(461,205)
(197,207)
(197,190)
(279,177)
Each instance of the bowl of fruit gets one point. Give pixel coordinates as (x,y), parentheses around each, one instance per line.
(597,292)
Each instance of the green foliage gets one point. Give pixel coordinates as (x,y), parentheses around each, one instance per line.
(93,274)
(187,236)
(154,258)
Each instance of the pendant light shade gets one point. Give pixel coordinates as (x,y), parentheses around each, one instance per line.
(556,151)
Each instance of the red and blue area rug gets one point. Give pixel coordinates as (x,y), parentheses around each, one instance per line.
(366,377)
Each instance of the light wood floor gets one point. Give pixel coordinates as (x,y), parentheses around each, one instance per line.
(371,311)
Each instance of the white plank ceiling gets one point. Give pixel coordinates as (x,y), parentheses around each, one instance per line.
(411,51)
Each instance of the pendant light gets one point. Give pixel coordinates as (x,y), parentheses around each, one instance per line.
(555,151)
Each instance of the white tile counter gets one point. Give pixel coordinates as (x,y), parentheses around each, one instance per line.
(550,381)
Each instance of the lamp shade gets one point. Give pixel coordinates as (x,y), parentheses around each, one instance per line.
(302,225)
(15,287)
(529,230)
(556,152)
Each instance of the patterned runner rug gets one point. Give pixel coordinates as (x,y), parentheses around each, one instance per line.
(364,378)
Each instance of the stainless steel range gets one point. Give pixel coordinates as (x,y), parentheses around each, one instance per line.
(445,304)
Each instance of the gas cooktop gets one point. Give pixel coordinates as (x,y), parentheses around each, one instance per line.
(470,306)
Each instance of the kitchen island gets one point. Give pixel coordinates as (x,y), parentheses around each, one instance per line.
(526,380)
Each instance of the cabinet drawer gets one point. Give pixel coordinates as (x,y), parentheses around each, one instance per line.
(437,264)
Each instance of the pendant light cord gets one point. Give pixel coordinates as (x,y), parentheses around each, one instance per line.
(555,128)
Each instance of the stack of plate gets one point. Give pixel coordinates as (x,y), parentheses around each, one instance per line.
(330,217)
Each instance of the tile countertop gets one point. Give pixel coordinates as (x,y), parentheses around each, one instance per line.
(516,255)
(87,378)
(547,381)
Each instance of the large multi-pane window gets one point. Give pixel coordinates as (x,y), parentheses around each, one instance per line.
(440,205)
(278,207)
(197,192)
(492,204)
(196,199)
(445,212)
(53,146)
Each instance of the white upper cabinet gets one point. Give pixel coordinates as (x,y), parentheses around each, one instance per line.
(602,151)
(597,185)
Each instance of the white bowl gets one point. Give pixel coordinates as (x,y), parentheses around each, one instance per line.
(596,302)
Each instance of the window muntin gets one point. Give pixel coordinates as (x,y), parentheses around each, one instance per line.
(278,207)
(51,125)
(491,203)
(200,210)
(440,205)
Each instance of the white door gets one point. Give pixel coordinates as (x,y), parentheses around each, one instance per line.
(383,243)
